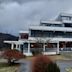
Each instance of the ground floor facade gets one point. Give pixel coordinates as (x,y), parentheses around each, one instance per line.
(51,47)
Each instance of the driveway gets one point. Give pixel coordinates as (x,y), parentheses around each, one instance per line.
(63,65)
(26,65)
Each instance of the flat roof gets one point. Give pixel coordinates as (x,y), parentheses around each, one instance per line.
(21,41)
(23,31)
(62,39)
(66,14)
(14,42)
(67,21)
(51,40)
(52,22)
(47,28)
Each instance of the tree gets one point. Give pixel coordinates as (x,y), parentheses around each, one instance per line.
(40,48)
(12,55)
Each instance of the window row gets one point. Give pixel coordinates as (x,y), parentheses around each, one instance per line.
(37,33)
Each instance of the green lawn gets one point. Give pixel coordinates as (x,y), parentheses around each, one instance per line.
(4,67)
(67,55)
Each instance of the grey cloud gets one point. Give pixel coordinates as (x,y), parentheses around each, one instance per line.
(19,1)
(15,17)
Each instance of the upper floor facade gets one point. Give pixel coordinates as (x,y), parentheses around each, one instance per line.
(64,17)
(61,27)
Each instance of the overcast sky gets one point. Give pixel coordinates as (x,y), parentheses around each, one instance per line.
(16,15)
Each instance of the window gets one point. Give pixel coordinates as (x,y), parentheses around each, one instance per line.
(25,45)
(68,24)
(66,18)
(24,35)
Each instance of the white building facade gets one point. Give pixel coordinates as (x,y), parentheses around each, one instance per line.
(51,37)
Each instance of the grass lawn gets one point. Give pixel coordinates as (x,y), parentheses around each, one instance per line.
(67,55)
(4,67)
(52,57)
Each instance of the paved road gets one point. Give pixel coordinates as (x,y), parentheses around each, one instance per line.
(26,65)
(64,64)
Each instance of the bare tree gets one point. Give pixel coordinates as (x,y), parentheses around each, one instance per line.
(43,41)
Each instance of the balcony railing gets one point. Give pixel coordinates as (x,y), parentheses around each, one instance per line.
(50,49)
(65,49)
(46,49)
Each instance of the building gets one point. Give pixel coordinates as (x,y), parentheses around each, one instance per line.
(52,37)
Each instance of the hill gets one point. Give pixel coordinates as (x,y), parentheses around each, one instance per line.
(4,36)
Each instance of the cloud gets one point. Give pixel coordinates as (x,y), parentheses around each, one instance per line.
(16,15)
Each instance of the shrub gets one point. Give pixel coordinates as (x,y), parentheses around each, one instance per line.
(12,55)
(43,63)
